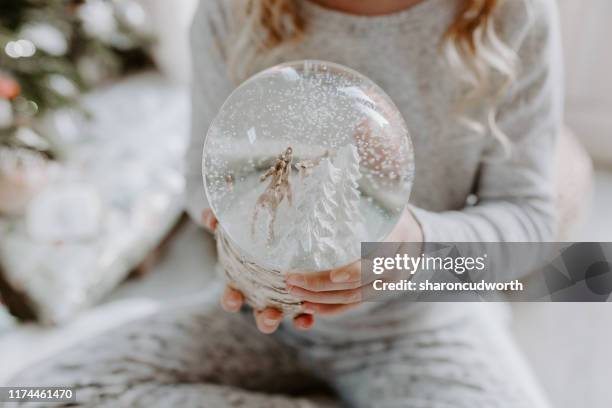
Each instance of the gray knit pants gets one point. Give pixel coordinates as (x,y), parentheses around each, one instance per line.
(391,355)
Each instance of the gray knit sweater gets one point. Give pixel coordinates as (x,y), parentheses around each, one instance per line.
(401,53)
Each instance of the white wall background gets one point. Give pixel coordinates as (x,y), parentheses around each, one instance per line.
(587,34)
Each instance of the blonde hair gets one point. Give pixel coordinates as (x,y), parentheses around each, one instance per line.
(470,45)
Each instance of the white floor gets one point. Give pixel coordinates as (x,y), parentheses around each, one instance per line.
(567,344)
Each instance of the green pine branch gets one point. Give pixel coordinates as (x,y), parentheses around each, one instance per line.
(33,74)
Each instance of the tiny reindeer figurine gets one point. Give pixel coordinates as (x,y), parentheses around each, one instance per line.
(276,191)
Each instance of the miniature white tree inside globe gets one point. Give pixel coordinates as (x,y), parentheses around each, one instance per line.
(303,162)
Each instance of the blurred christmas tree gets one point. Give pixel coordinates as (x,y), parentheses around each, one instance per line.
(52,50)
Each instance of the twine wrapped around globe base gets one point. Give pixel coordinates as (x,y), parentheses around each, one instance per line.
(260,287)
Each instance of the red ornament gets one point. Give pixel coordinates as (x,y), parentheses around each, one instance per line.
(9,88)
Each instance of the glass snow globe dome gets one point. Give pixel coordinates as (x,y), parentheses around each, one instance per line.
(303,162)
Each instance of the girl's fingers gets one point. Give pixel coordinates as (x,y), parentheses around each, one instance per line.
(303,321)
(232,300)
(267,320)
(338,279)
(328,297)
(325,309)
(209,220)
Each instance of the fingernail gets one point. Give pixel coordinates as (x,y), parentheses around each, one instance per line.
(270,322)
(231,303)
(307,309)
(340,276)
(295,279)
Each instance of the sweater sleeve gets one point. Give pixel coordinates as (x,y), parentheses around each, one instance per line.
(210,87)
(516,195)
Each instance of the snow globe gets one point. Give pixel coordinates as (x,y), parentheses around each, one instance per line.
(303,162)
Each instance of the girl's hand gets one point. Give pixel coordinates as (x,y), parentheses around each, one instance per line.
(232,300)
(324,293)
(328,293)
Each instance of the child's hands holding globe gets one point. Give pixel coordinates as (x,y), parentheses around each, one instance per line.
(324,293)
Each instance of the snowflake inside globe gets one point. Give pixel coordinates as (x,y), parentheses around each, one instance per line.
(305,161)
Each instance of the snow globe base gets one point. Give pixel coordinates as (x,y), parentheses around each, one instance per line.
(261,287)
